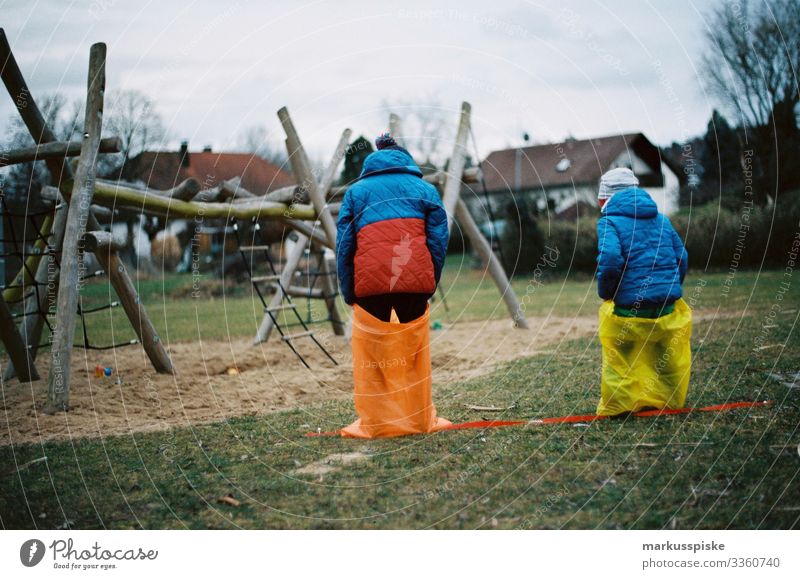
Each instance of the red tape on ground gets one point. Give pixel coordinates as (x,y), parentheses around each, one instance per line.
(584,417)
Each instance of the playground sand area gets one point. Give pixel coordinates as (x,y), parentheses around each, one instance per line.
(216,380)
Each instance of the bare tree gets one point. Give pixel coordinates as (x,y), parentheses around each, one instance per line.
(133,117)
(64,117)
(426,131)
(751,65)
(256,139)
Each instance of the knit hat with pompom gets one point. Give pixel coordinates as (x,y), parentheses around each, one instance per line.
(385,141)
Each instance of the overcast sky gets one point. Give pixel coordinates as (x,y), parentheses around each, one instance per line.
(551,69)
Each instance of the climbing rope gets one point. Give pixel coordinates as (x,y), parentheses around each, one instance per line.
(24,285)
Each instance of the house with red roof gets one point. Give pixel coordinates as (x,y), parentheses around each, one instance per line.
(165,169)
(561,179)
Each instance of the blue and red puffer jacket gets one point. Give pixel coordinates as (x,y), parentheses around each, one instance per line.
(641,261)
(392,230)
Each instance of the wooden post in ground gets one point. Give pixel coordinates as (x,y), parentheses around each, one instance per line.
(305,176)
(102,245)
(15,346)
(455,166)
(302,171)
(491,263)
(77,218)
(457,209)
(329,285)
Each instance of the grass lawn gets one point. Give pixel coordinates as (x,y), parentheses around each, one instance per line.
(738,469)
(469,294)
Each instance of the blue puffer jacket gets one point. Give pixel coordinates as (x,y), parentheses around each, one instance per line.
(392,230)
(641,261)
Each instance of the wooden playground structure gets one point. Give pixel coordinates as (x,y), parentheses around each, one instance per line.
(49,281)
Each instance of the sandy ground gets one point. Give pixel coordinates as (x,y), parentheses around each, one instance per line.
(269,378)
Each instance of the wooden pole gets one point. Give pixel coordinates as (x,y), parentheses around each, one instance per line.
(102,244)
(455,166)
(15,346)
(491,263)
(310,231)
(295,194)
(329,291)
(451,194)
(26,106)
(77,218)
(302,171)
(38,303)
(56,150)
(103,241)
(306,176)
(118,196)
(395,128)
(329,285)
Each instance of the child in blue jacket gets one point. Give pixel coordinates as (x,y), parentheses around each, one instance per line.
(646,331)
(392,236)
(641,260)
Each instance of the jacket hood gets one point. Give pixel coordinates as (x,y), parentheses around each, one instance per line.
(389,161)
(633,202)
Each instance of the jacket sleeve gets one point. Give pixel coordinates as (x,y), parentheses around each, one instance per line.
(346,248)
(610,261)
(436,232)
(681,254)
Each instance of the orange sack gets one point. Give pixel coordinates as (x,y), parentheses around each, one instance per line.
(392,375)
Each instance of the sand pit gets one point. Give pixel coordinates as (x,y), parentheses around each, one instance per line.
(267,378)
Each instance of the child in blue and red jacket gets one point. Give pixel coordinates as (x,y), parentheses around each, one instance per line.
(392,236)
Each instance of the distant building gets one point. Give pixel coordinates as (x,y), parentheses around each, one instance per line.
(562,178)
(165,169)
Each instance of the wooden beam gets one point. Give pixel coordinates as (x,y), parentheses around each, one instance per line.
(305,175)
(103,241)
(185,190)
(455,166)
(102,244)
(295,194)
(301,170)
(15,345)
(118,196)
(309,230)
(71,259)
(26,107)
(491,263)
(55,150)
(329,291)
(232,189)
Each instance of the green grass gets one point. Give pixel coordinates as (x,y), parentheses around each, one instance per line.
(469,294)
(737,469)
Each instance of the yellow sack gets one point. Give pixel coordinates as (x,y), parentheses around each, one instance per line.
(646,362)
(392,376)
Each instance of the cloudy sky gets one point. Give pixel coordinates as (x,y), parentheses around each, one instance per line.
(551,69)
